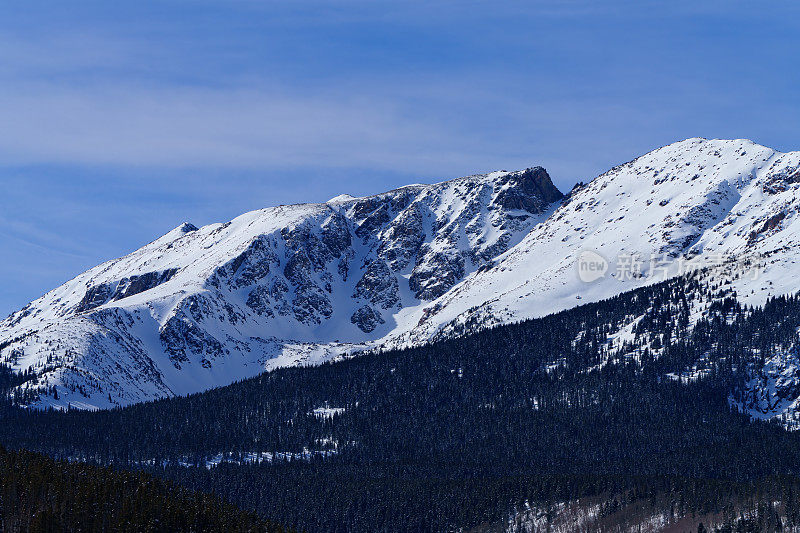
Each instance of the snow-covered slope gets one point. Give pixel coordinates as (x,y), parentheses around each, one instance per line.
(201,307)
(695,203)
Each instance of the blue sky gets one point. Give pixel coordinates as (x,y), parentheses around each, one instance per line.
(119,120)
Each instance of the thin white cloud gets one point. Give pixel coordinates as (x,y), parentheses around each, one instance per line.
(238,128)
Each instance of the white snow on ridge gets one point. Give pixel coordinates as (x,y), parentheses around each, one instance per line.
(341,198)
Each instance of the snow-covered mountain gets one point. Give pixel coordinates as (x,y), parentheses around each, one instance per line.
(202,307)
(695,203)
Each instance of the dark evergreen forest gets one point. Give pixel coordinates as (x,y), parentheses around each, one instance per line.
(39,494)
(462,432)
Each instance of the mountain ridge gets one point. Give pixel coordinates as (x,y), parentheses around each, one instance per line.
(196,295)
(301,284)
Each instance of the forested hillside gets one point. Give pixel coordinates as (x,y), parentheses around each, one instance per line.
(38,494)
(641,392)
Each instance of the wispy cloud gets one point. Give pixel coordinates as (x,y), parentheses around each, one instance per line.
(189,126)
(421,128)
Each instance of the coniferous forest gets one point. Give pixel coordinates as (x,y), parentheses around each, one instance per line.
(480,431)
(39,494)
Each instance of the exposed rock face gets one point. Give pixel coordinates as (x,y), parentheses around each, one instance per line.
(378,285)
(182,338)
(436,274)
(259,301)
(366,318)
(529,190)
(98,295)
(402,239)
(95,297)
(252,265)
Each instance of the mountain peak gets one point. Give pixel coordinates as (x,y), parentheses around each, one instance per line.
(186,227)
(530,190)
(341,198)
(174,234)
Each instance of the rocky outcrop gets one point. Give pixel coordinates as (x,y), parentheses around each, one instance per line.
(103,293)
(529,190)
(436,274)
(402,239)
(367,319)
(378,285)
(184,337)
